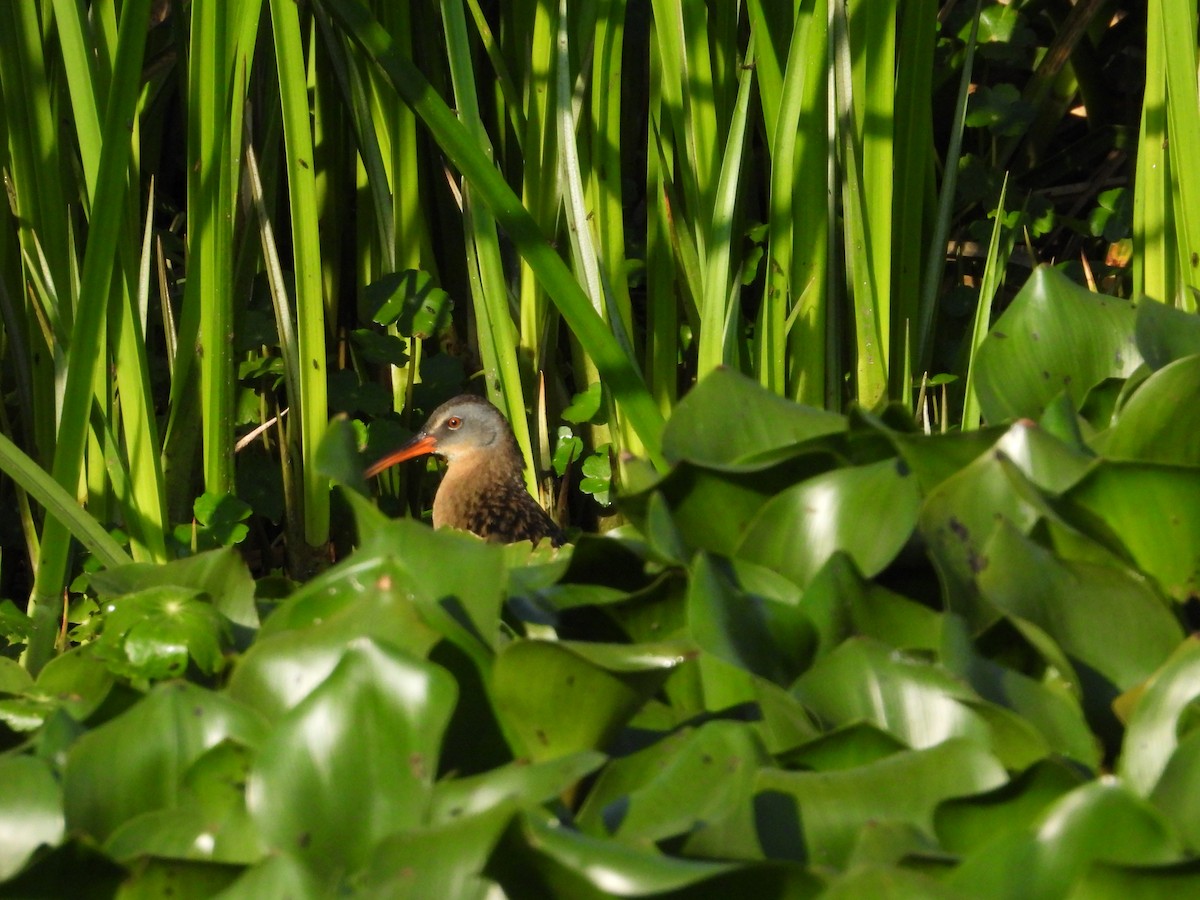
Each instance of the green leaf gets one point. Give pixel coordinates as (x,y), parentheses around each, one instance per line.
(136,762)
(209,822)
(31,811)
(152,634)
(1155,728)
(1107,619)
(728,419)
(380,349)
(651,795)
(354,761)
(818,816)
(1152,512)
(221,574)
(1165,334)
(1101,821)
(1055,336)
(1160,421)
(800,529)
(559,697)
(920,704)
(410,300)
(521,783)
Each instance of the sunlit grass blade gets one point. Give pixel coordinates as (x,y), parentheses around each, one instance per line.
(458,144)
(86,343)
(989,284)
(313,414)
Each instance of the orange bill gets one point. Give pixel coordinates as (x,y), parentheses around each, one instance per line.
(418,446)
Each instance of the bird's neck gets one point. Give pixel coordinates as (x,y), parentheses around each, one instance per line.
(468,480)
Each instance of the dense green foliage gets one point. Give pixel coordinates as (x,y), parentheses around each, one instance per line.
(902,522)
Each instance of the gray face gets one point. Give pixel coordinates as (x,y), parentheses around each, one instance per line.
(465,424)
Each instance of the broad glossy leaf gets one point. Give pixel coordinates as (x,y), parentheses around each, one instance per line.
(783,723)
(136,762)
(559,697)
(354,761)
(771,639)
(965,824)
(1153,512)
(890,883)
(77,681)
(1055,713)
(1175,792)
(176,880)
(154,633)
(1155,728)
(959,517)
(1048,462)
(652,795)
(920,704)
(1110,881)
(443,860)
(1161,420)
(518,784)
(844,748)
(935,457)
(570,864)
(369,600)
(1105,618)
(31,811)
(209,823)
(279,875)
(828,810)
(1101,821)
(14,679)
(842,604)
(221,574)
(692,493)
(455,580)
(1165,334)
(867,512)
(728,418)
(1055,336)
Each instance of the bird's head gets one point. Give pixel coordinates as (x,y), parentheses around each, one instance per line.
(459,427)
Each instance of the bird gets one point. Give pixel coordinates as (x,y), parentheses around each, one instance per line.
(483,490)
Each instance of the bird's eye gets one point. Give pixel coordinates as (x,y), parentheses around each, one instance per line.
(454,423)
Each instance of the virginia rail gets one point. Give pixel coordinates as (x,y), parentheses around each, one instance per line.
(483,490)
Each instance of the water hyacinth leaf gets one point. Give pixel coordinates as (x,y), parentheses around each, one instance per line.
(31,811)
(522,784)
(782,722)
(455,580)
(856,744)
(354,761)
(652,794)
(366,600)
(1175,792)
(279,875)
(564,863)
(1165,334)
(889,883)
(727,419)
(178,880)
(1048,462)
(1111,881)
(1152,512)
(443,860)
(1100,821)
(409,299)
(918,703)
(1156,726)
(209,822)
(1056,714)
(867,512)
(959,517)
(1054,336)
(965,824)
(1108,620)
(829,810)
(77,681)
(221,574)
(841,604)
(136,762)
(771,639)
(154,633)
(558,698)
(1161,420)
(935,457)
